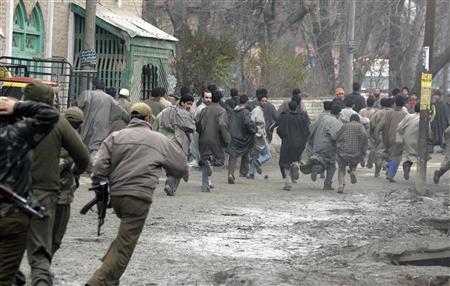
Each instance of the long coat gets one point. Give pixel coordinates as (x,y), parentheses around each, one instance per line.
(242,129)
(260,135)
(214,133)
(323,139)
(177,124)
(293,130)
(408,135)
(389,124)
(439,123)
(100,111)
(375,131)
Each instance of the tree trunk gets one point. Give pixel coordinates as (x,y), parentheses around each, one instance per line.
(395,45)
(203,17)
(148,12)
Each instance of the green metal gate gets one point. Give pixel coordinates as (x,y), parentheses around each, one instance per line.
(110,49)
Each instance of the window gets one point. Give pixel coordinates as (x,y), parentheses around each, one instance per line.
(27,39)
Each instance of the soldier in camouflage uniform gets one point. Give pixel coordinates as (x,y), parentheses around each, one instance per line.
(17,138)
(68,183)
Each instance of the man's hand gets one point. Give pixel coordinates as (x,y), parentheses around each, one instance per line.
(6,106)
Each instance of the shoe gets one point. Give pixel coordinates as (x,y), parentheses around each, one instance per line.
(242,175)
(314,171)
(193,164)
(390,179)
(294,170)
(353,178)
(369,164)
(169,191)
(328,188)
(208,169)
(186,177)
(340,190)
(322,175)
(406,169)
(230,179)
(258,167)
(306,168)
(287,187)
(250,177)
(206,189)
(436,177)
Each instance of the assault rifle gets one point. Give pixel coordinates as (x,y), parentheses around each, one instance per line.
(101,200)
(8,195)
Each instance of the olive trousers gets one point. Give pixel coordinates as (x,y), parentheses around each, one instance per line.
(132,213)
(13,241)
(40,239)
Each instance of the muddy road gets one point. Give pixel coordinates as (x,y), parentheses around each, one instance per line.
(254,233)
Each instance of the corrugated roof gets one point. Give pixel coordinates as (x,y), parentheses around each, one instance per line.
(130,23)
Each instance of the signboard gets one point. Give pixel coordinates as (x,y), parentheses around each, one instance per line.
(425,90)
(88,57)
(351,46)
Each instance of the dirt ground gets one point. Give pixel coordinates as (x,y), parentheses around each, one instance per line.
(254,233)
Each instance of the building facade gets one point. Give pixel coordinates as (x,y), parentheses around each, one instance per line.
(130,52)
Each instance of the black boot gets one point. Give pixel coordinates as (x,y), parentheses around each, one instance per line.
(438,174)
(407,169)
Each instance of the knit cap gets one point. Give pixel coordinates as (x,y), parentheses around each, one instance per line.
(74,113)
(37,91)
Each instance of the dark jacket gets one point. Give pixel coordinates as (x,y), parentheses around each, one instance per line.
(15,142)
(213,130)
(232,102)
(242,129)
(358,100)
(439,123)
(293,130)
(155,105)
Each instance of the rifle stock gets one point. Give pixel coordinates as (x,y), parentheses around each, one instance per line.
(20,202)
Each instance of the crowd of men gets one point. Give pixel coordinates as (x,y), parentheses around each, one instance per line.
(128,145)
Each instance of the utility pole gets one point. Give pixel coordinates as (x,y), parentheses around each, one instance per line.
(444,86)
(350,46)
(425,97)
(88,56)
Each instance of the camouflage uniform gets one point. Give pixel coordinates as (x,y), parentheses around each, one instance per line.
(15,167)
